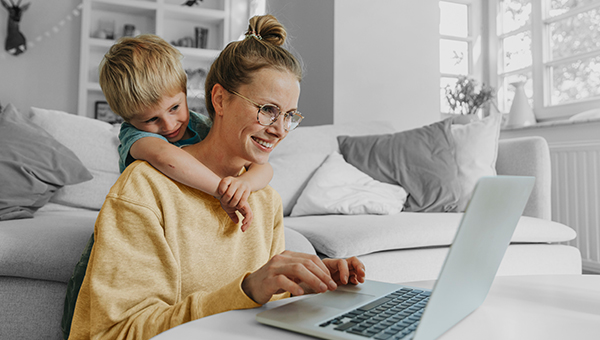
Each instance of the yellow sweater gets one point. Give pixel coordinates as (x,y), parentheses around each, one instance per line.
(166,254)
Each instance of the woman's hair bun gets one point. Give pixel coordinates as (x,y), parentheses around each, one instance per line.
(268,28)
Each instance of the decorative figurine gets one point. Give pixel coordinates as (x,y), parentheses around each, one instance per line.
(15,40)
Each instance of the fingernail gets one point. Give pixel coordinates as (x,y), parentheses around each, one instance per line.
(323,287)
(332,284)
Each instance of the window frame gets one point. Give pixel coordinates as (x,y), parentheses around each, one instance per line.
(474,41)
(541,60)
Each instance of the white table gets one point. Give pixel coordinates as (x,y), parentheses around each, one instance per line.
(517,307)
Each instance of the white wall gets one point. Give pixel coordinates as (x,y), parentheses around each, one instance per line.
(46,75)
(365,60)
(387,62)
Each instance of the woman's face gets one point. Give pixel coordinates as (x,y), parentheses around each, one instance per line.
(255,141)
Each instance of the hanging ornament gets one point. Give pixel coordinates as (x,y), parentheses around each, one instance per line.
(15,43)
(23,44)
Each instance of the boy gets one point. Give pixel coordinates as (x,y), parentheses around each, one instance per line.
(144,83)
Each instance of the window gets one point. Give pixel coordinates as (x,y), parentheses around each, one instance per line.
(553,45)
(460,44)
(514,50)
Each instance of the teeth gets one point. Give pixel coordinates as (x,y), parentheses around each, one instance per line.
(263,143)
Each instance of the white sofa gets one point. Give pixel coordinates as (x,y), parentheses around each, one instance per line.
(37,255)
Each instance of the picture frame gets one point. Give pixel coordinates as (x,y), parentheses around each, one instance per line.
(103,112)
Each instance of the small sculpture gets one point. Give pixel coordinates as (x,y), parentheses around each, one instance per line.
(15,40)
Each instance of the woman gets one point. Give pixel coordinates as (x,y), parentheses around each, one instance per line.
(165,253)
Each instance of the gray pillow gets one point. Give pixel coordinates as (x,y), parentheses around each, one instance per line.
(33,165)
(421,160)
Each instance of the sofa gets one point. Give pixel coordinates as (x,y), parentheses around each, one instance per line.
(334,204)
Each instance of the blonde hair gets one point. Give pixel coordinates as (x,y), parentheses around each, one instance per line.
(261,48)
(137,72)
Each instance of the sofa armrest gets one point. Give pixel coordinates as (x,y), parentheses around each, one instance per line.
(529,156)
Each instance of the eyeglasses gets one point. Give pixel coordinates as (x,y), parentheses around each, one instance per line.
(268,114)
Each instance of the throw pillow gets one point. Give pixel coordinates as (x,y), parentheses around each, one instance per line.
(33,165)
(421,160)
(339,188)
(476,153)
(297,157)
(95,142)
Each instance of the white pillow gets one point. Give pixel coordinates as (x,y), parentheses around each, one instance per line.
(95,143)
(476,152)
(339,188)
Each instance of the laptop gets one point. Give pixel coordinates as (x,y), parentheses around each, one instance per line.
(379,310)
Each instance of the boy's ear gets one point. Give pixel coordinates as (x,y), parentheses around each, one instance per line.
(218,98)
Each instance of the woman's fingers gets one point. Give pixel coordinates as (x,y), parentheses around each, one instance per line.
(345,271)
(357,271)
(306,268)
(296,273)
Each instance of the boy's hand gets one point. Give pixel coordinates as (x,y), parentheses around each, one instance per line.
(234,196)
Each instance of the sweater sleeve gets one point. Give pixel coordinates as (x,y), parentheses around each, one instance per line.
(134,282)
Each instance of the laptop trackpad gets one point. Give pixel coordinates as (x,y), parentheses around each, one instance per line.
(339,299)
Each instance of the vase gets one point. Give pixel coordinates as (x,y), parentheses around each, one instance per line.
(464,119)
(520,113)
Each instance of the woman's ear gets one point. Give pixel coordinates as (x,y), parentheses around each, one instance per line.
(218,95)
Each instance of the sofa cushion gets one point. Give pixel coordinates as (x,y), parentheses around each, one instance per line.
(48,246)
(420,160)
(343,235)
(33,165)
(95,142)
(476,152)
(295,241)
(297,157)
(339,188)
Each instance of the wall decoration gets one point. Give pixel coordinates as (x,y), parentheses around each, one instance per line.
(191,3)
(105,114)
(48,33)
(15,42)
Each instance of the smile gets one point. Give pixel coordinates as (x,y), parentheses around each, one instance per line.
(263,143)
(173,134)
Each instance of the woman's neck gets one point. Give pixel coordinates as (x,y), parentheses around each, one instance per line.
(214,156)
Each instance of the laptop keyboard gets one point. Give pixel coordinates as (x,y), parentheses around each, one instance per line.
(394,316)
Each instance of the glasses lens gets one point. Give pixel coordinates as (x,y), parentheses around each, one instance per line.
(268,114)
(293,120)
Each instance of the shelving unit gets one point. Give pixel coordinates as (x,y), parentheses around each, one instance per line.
(168,19)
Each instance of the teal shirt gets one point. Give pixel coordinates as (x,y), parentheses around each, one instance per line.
(199,125)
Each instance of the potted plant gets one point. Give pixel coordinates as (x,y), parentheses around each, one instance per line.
(467,97)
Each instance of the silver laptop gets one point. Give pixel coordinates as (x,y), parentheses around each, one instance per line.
(382,311)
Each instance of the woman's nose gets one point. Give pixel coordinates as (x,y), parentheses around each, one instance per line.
(278,127)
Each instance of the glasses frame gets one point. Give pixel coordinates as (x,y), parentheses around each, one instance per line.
(273,120)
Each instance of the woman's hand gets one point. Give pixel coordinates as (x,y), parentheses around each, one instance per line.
(344,271)
(234,196)
(288,272)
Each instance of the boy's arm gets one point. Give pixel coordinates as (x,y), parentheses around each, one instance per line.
(176,163)
(258,175)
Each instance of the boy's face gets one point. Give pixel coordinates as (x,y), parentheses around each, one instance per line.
(169,118)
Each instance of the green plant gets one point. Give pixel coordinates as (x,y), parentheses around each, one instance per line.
(464,99)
